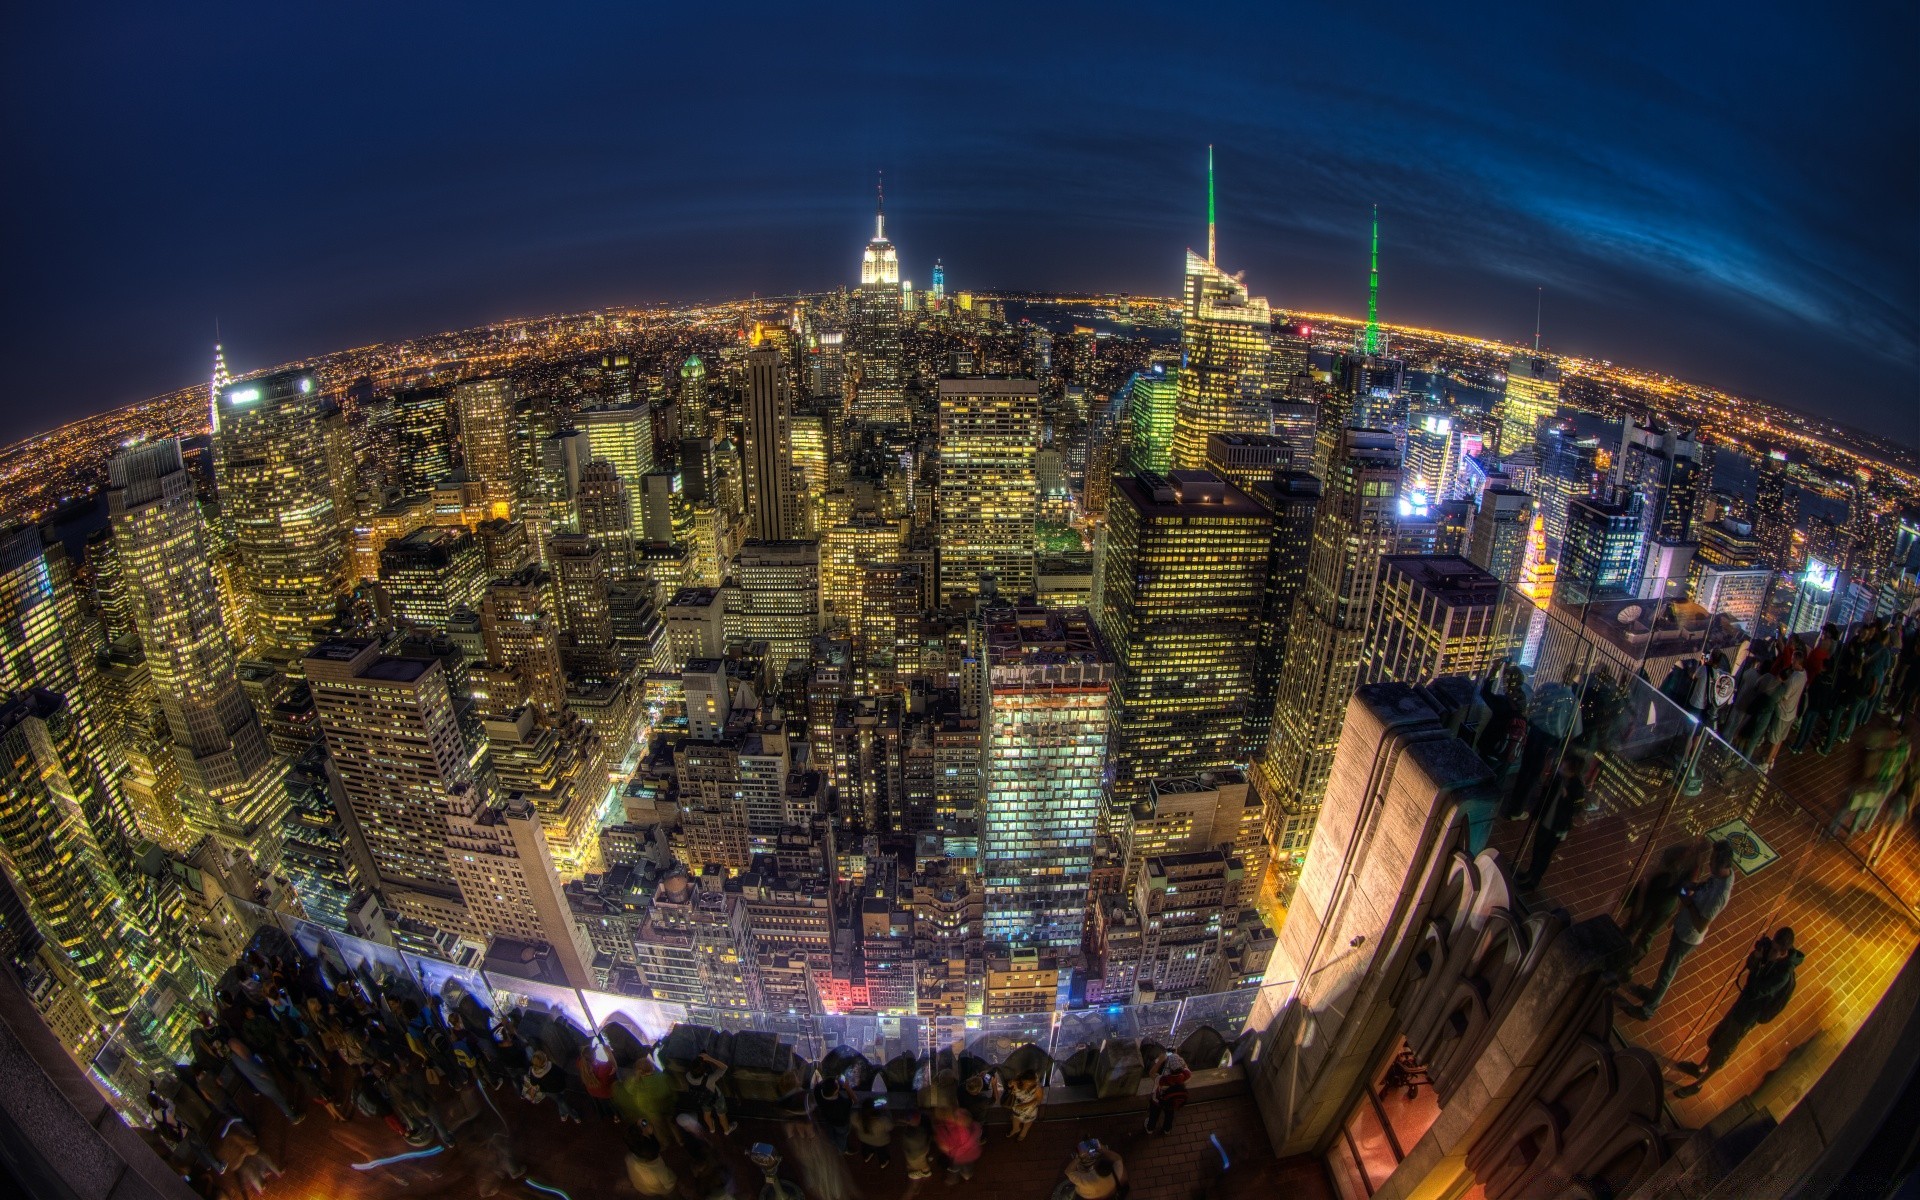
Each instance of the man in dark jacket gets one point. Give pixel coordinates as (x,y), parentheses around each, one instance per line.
(1565,798)
(1763,996)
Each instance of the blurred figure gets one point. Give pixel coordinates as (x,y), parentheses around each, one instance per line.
(1699,904)
(1766,986)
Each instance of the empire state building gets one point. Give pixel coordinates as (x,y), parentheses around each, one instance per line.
(879,319)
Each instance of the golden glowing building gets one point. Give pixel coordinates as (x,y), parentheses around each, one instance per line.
(1183,572)
(233,786)
(277,498)
(987,497)
(1223,346)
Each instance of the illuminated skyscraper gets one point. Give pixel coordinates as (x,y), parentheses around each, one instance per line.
(1532,396)
(391,730)
(418,437)
(1223,367)
(1433,615)
(879,328)
(696,413)
(522,634)
(1290,500)
(1601,553)
(1152,400)
(48,790)
(1569,471)
(772,507)
(1433,455)
(1355,526)
(606,516)
(987,501)
(1502,520)
(485,411)
(776,599)
(430,573)
(1775,511)
(1183,575)
(276,495)
(623,437)
(232,784)
(1047,681)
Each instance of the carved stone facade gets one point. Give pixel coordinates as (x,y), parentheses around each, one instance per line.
(1410,941)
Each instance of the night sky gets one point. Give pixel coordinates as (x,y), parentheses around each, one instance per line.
(1730,192)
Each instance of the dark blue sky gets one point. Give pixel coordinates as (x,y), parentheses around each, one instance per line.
(1730,192)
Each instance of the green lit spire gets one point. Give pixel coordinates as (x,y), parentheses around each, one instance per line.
(1373,289)
(1210,245)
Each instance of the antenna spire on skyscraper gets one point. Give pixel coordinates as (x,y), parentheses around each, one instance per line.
(1539,298)
(880,205)
(221,378)
(1373,289)
(1210,238)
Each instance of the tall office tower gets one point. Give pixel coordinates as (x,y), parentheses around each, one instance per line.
(586,616)
(1046,689)
(1435,615)
(498,857)
(430,573)
(1776,510)
(827,364)
(879,394)
(606,516)
(1183,574)
(1664,467)
(848,548)
(1290,500)
(43,643)
(695,946)
(233,786)
(1601,553)
(988,498)
(866,761)
(623,437)
(395,742)
(887,626)
(135,732)
(1151,400)
(669,516)
(1532,395)
(1222,379)
(1353,529)
(108,597)
(277,497)
(1244,459)
(696,626)
(419,432)
(1502,522)
(773,510)
(696,412)
(807,434)
(484,408)
(50,795)
(1432,455)
(776,599)
(1569,471)
(522,634)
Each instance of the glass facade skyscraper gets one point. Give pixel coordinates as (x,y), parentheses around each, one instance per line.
(1223,368)
(1046,693)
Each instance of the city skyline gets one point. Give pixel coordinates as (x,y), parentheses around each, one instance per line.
(1698,249)
(890,706)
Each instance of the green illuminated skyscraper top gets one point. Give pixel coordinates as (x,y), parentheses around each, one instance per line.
(1373,287)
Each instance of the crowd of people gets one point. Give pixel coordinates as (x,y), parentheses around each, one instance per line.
(1801,694)
(1544,740)
(292,1034)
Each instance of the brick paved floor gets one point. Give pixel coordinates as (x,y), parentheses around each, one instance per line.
(585,1160)
(1856,927)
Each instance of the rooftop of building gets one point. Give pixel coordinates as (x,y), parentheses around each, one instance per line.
(1448,577)
(1182,493)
